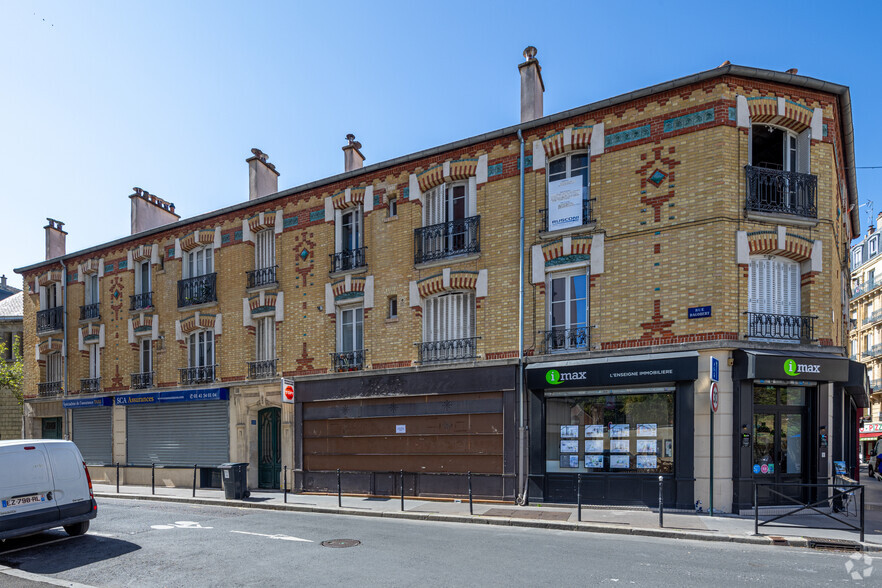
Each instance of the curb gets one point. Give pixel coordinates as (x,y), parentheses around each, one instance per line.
(502,522)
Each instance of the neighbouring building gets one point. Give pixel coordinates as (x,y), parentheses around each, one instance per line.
(866,333)
(11,337)
(701,222)
(5,289)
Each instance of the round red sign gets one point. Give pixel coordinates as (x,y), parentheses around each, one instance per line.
(289,392)
(714,396)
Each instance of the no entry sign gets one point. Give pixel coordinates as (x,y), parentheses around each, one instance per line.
(714,396)
(288,391)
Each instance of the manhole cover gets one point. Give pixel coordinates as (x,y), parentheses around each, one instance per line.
(341,543)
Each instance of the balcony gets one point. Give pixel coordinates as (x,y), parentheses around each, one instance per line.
(780,327)
(561,340)
(261,370)
(51,319)
(348,260)
(139,301)
(90,385)
(197,375)
(349,361)
(875,384)
(89,312)
(873,350)
(198,290)
(781,192)
(865,287)
(457,237)
(449,350)
(587,218)
(46,389)
(265,276)
(142,380)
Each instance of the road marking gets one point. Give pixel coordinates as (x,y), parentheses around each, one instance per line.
(280,537)
(38,578)
(36,545)
(180,525)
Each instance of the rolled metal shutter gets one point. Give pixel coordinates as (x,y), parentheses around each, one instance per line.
(93,434)
(178,434)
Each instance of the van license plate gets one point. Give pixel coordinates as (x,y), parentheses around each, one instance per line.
(23,500)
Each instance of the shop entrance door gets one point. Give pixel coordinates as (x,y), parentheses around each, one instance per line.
(780,448)
(51,428)
(269,448)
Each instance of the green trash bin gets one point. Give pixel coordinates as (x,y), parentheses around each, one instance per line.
(235,480)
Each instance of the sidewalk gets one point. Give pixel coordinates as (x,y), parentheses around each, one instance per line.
(645,522)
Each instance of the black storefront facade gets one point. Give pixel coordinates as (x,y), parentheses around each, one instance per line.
(795,413)
(620,422)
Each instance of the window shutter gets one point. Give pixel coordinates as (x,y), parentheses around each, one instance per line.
(793,292)
(803,152)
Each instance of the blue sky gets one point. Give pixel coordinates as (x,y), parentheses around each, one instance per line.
(98,97)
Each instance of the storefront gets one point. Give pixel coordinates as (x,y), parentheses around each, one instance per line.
(794,414)
(870,433)
(92,428)
(620,422)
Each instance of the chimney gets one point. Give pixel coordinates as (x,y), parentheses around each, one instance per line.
(263,179)
(55,239)
(532,86)
(879,221)
(3,282)
(352,157)
(149,211)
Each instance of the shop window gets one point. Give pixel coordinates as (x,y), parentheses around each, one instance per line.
(621,433)
(568,193)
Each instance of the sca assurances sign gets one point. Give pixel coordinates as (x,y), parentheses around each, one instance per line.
(171,396)
(614,374)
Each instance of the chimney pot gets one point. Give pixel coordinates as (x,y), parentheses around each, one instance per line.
(352,156)
(150,211)
(55,239)
(792,71)
(263,179)
(532,86)
(3,281)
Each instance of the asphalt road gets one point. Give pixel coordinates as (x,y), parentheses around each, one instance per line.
(136,543)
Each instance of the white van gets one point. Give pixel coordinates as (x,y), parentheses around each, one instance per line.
(44,484)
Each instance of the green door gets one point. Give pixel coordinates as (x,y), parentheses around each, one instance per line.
(51,428)
(269,448)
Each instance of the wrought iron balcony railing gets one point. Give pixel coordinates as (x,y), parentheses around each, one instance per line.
(349,361)
(784,192)
(876,316)
(49,388)
(90,312)
(139,301)
(51,319)
(197,375)
(456,237)
(261,276)
(142,380)
(88,385)
(875,384)
(873,350)
(781,327)
(587,218)
(448,350)
(259,370)
(865,287)
(198,290)
(566,339)
(348,260)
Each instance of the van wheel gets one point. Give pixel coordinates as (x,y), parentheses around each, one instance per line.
(77,529)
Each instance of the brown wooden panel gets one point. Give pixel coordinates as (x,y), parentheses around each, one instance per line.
(421,425)
(422,445)
(409,463)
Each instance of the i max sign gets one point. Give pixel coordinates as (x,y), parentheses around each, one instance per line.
(612,373)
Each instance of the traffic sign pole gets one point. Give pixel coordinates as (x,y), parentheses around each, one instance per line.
(714,405)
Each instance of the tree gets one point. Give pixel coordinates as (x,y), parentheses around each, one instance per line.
(11,371)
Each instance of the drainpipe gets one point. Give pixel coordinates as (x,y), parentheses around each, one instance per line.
(64,349)
(522,433)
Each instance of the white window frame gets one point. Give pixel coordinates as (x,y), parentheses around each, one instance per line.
(874,246)
(439,203)
(199,262)
(265,339)
(145,350)
(140,286)
(392,307)
(566,174)
(449,316)
(54,367)
(856,256)
(265,249)
(355,324)
(570,323)
(201,350)
(774,286)
(92,287)
(795,148)
(356,241)
(94,361)
(392,210)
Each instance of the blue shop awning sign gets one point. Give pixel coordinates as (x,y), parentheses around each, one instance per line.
(87,402)
(172,396)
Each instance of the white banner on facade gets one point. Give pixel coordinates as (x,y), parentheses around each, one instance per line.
(564,203)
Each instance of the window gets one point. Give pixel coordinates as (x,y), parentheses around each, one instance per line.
(871,277)
(774,300)
(568,202)
(448,229)
(857,257)
(779,179)
(350,250)
(143,275)
(393,307)
(874,246)
(607,432)
(94,361)
(11,342)
(199,283)
(54,367)
(201,349)
(265,249)
(92,289)
(392,211)
(449,327)
(350,336)
(350,230)
(146,355)
(266,339)
(200,262)
(567,311)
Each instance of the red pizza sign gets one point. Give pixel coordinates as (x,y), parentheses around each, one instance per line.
(288,391)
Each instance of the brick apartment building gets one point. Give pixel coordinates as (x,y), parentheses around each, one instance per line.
(704,217)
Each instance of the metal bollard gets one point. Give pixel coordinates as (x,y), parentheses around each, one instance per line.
(755,511)
(862,514)
(285,484)
(117,477)
(661,503)
(194,480)
(402,490)
(579,498)
(153,478)
(339,491)
(471,510)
